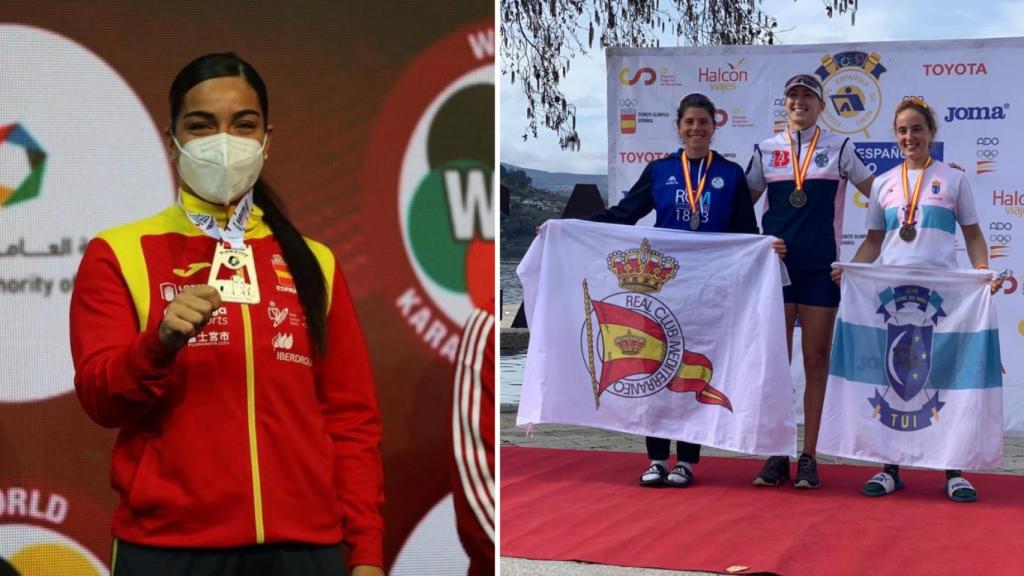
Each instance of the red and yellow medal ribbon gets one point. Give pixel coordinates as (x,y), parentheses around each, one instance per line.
(800,173)
(694,197)
(912,202)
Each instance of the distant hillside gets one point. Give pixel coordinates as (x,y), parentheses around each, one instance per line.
(562,183)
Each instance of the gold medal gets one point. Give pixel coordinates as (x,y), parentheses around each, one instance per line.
(694,196)
(798,198)
(241,286)
(907,231)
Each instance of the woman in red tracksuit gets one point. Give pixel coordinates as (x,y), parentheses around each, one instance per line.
(225,348)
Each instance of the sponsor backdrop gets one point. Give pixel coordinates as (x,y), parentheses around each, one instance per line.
(972,85)
(383,149)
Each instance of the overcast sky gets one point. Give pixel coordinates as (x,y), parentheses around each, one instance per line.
(800,22)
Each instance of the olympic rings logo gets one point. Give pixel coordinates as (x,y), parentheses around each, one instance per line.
(629,103)
(988,154)
(983,141)
(1001,226)
(1002,239)
(851,60)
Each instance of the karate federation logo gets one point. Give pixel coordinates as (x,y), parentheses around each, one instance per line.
(853,96)
(429,172)
(632,343)
(910,313)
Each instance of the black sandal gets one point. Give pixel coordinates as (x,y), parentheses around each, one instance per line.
(679,477)
(654,476)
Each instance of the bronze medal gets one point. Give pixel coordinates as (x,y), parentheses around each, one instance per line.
(797,199)
(907,231)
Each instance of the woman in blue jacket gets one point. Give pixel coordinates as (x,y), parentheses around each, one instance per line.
(694,189)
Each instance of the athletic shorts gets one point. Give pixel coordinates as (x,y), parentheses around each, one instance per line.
(811,288)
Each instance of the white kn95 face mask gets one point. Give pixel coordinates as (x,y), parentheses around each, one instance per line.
(220,168)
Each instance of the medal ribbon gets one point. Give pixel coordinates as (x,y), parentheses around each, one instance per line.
(912,202)
(800,173)
(694,197)
(234,233)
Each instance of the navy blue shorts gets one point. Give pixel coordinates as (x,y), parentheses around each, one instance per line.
(811,288)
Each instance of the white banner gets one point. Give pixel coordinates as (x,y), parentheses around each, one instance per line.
(658,332)
(64,176)
(915,377)
(971,84)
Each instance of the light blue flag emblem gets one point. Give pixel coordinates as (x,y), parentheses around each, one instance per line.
(908,356)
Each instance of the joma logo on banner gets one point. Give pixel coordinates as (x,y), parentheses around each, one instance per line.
(954,113)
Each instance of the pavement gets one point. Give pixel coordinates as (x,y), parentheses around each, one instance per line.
(580,438)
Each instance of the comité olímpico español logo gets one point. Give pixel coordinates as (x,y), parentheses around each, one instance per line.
(632,343)
(911,314)
(24,178)
(853,96)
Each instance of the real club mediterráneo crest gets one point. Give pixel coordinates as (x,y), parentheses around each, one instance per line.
(640,349)
(910,313)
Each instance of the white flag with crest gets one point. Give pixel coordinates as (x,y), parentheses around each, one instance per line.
(915,376)
(665,333)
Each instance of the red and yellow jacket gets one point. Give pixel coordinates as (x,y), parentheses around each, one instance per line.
(242,436)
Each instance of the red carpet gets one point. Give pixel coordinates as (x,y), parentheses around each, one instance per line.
(586,506)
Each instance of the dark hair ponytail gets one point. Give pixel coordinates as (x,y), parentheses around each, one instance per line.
(306,272)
